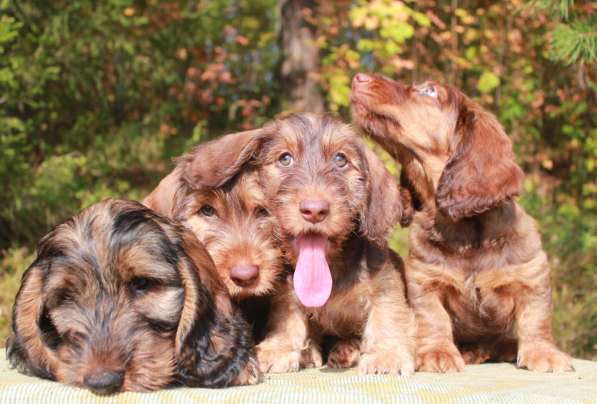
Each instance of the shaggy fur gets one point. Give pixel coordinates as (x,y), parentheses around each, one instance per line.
(477,275)
(229,217)
(367,300)
(120,299)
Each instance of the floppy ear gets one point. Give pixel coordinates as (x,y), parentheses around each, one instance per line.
(213,342)
(32,330)
(386,201)
(165,198)
(213,163)
(482,173)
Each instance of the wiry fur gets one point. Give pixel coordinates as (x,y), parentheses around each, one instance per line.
(477,275)
(118,289)
(368,298)
(241,229)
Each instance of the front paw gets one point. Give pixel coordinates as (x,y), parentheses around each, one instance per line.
(440,360)
(543,358)
(475,355)
(272,360)
(250,374)
(344,354)
(383,363)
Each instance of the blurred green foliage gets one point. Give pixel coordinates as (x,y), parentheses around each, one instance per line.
(96,97)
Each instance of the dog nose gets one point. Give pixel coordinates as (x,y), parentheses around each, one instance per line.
(104,382)
(361,78)
(244,274)
(314,211)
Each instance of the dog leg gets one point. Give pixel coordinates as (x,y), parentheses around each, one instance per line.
(388,343)
(436,351)
(311,355)
(287,335)
(530,285)
(536,346)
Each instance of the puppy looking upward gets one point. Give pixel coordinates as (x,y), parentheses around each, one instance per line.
(477,275)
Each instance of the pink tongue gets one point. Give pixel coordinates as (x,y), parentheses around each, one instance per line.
(312,277)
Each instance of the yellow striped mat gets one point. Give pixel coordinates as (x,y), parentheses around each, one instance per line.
(479,383)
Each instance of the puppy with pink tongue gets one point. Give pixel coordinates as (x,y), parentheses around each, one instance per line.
(335,204)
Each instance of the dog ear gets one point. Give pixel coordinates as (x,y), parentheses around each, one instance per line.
(386,201)
(481,173)
(213,163)
(32,331)
(213,342)
(165,198)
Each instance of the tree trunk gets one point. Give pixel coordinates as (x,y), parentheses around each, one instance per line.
(300,56)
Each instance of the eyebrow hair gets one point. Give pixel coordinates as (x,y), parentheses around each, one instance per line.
(137,224)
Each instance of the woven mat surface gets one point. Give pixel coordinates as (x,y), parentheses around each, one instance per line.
(479,383)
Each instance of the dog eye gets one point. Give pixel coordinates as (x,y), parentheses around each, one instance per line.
(261,212)
(58,298)
(207,210)
(428,91)
(141,285)
(340,159)
(286,159)
(160,325)
(74,337)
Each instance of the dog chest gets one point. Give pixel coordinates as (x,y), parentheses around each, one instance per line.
(343,315)
(477,307)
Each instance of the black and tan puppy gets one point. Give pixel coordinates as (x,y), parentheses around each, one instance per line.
(121,299)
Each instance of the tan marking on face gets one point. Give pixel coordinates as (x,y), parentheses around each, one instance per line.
(241,231)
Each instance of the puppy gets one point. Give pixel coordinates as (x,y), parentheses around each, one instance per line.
(229,217)
(120,299)
(335,204)
(477,275)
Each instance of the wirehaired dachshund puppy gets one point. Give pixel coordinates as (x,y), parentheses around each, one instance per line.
(477,275)
(335,204)
(121,299)
(228,214)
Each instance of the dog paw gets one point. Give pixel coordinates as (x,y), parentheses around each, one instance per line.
(344,354)
(311,357)
(250,374)
(475,355)
(278,361)
(440,361)
(543,358)
(383,363)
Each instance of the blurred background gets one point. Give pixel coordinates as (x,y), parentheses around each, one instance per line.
(96,97)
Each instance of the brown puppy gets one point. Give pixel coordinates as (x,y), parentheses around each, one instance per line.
(335,204)
(477,274)
(120,299)
(229,217)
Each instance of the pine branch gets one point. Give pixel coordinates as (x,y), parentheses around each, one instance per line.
(574,42)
